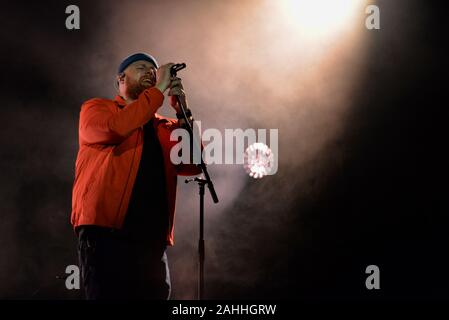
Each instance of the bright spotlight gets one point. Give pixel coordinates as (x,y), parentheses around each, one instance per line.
(319,17)
(258,160)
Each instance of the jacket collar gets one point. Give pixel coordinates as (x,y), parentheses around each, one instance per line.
(120,101)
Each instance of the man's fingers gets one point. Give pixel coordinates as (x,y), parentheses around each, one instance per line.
(177,91)
(175,82)
(176,85)
(166,68)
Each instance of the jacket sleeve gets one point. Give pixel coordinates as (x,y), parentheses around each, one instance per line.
(100,125)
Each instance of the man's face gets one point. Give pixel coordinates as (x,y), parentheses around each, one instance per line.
(139,76)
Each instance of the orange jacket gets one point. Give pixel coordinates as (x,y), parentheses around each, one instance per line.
(110,149)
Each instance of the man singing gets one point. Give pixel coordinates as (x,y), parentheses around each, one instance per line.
(123,199)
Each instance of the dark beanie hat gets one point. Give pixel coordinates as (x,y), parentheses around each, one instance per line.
(136,57)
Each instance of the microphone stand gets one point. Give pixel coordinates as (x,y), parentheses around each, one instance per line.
(206,181)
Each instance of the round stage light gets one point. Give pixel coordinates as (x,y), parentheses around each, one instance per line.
(258,160)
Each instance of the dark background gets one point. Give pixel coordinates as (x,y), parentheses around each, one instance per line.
(385,201)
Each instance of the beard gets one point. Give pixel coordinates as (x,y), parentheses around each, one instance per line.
(135,88)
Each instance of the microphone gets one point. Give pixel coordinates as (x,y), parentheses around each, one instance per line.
(176,67)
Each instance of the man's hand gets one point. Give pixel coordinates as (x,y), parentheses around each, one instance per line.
(176,89)
(163,77)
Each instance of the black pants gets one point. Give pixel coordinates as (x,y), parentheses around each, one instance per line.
(116,266)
